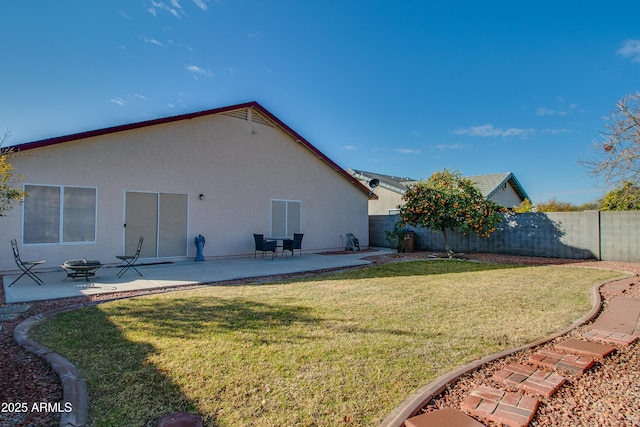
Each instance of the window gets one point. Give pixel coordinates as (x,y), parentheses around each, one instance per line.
(54,214)
(285,217)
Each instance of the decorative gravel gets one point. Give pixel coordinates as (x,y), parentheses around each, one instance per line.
(606,395)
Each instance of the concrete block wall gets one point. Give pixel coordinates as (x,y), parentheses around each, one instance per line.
(610,236)
(620,236)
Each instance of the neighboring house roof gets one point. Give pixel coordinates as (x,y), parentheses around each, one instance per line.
(489,184)
(392,183)
(266,115)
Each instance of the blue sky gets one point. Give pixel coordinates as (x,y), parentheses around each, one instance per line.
(401,88)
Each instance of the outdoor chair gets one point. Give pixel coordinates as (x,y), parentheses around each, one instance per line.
(130,260)
(264,245)
(291,245)
(25,266)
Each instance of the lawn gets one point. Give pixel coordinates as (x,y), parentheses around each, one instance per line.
(339,349)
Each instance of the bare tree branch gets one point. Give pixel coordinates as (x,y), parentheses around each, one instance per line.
(616,155)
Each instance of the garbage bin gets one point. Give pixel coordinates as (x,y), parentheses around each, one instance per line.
(410,241)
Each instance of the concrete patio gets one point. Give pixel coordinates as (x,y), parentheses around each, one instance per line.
(188,272)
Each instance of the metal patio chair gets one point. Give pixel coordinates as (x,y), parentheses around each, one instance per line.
(264,245)
(130,260)
(291,245)
(25,266)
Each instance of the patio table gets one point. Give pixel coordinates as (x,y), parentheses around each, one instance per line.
(277,239)
(81,268)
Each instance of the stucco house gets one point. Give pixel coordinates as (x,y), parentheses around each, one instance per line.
(502,188)
(224,173)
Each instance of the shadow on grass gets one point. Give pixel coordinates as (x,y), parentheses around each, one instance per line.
(411,268)
(193,316)
(125,388)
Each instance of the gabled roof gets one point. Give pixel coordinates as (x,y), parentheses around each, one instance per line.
(392,183)
(249,105)
(489,184)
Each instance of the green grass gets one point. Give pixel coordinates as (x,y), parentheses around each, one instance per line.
(339,349)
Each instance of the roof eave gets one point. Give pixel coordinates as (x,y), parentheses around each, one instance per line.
(138,125)
(515,184)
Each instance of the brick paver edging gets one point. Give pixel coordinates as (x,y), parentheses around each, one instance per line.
(416,401)
(74,387)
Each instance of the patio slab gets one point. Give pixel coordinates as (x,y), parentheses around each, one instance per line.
(529,378)
(585,348)
(501,406)
(174,274)
(573,363)
(607,337)
(622,315)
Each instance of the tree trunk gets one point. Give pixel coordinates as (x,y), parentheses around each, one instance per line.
(447,248)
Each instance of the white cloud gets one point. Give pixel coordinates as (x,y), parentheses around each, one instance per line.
(152,41)
(449,146)
(124,15)
(543,111)
(630,49)
(517,132)
(174,9)
(128,99)
(406,151)
(201,4)
(561,110)
(198,71)
(484,130)
(490,130)
(348,147)
(556,131)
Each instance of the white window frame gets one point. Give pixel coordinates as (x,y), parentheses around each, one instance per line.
(61,216)
(287,231)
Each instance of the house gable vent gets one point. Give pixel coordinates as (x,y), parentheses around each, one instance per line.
(242,114)
(259,118)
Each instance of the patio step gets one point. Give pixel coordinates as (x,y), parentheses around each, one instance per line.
(529,378)
(555,360)
(500,406)
(585,348)
(10,312)
(608,337)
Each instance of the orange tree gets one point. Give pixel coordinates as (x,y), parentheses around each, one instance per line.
(8,179)
(447,201)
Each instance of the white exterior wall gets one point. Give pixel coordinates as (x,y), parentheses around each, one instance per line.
(387,200)
(238,165)
(506,197)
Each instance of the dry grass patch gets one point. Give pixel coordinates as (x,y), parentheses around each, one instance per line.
(341,349)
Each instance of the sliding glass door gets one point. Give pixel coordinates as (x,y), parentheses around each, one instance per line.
(161,218)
